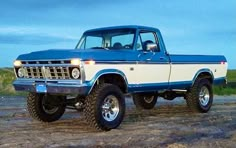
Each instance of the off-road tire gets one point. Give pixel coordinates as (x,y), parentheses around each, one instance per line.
(193,96)
(93,107)
(140,101)
(37,110)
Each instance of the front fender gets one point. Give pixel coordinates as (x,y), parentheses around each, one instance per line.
(93,81)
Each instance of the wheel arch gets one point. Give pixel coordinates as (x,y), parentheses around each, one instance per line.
(204,73)
(112,76)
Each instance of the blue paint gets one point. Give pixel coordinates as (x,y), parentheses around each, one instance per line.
(180,85)
(119,56)
(124,27)
(197,59)
(130,62)
(116,62)
(88,54)
(148,87)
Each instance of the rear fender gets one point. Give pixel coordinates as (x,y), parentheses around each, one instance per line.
(203,71)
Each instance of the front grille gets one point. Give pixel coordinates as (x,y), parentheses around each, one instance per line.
(34,72)
(58,72)
(47,72)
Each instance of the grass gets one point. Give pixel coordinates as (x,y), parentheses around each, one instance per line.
(224,91)
(231,75)
(7,76)
(230,89)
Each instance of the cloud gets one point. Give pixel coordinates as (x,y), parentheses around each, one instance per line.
(33,36)
(32,39)
(229,33)
(39,7)
(17,29)
(56,12)
(14,35)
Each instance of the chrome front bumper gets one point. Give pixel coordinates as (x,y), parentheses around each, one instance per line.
(52,87)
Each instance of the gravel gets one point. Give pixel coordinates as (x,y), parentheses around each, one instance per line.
(170,124)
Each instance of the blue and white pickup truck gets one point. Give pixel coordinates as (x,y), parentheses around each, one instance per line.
(108,63)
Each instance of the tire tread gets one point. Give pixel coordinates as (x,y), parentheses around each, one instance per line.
(192,96)
(91,107)
(35,111)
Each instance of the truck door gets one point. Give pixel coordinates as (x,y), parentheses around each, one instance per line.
(153,66)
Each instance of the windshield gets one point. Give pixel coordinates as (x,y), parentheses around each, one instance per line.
(108,39)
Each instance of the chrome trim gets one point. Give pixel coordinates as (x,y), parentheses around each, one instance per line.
(179,90)
(71,81)
(82,72)
(204,96)
(47,72)
(110,108)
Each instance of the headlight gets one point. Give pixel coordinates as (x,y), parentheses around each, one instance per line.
(75,62)
(75,73)
(21,72)
(17,63)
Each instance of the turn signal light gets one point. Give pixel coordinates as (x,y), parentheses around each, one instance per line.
(90,62)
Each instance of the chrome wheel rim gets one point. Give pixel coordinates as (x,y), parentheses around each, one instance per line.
(204,96)
(149,99)
(47,107)
(110,108)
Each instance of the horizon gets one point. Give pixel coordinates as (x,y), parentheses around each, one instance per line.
(187,27)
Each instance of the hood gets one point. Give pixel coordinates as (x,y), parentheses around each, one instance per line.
(88,54)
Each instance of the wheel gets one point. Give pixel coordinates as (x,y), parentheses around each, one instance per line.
(144,101)
(105,107)
(200,96)
(45,108)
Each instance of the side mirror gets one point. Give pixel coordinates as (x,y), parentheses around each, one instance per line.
(151,47)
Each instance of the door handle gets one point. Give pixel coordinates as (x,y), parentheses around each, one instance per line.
(162,58)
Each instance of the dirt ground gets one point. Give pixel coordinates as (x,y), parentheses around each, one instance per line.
(170,124)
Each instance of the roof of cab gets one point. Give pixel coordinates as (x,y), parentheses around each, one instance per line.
(124,27)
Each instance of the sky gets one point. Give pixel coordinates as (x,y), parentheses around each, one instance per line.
(187,26)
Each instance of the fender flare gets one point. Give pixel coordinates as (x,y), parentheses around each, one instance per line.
(205,70)
(100,73)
